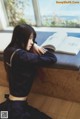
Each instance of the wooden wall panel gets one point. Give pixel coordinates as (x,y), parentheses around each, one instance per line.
(59,83)
(3,77)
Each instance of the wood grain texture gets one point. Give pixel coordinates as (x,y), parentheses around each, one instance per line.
(3,77)
(59,83)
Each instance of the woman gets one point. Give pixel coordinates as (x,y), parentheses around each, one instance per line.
(22,57)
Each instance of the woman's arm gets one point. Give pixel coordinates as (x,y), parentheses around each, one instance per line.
(38,50)
(26,57)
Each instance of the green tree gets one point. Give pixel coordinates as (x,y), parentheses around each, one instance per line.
(15,11)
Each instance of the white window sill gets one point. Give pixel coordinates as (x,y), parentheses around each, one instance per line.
(52,29)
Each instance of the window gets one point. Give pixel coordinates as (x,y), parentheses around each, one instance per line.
(52,13)
(19,11)
(60,13)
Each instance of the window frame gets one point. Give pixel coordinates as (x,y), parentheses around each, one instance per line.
(4,23)
(3,19)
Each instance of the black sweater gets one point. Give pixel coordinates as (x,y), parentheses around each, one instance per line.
(22,68)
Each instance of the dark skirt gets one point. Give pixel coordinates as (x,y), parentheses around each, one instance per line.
(21,110)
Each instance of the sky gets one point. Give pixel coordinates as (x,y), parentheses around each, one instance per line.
(49,7)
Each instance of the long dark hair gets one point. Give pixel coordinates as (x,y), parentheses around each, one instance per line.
(21,34)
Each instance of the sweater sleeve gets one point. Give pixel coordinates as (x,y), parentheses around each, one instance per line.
(35,59)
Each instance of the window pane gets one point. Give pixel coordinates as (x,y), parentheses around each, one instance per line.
(54,13)
(20,11)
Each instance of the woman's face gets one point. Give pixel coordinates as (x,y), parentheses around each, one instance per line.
(30,42)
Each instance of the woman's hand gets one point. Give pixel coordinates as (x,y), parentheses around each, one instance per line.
(39,50)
